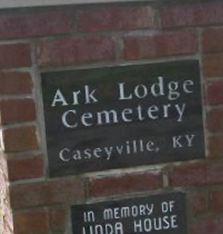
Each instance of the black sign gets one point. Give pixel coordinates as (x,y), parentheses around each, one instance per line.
(157,214)
(118,117)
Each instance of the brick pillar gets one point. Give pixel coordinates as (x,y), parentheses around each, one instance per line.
(35,40)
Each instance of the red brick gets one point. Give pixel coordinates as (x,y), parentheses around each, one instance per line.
(15,83)
(20,139)
(214,120)
(25,168)
(18,110)
(125,184)
(212,40)
(160,45)
(58,219)
(215,173)
(31,222)
(198,203)
(61,191)
(192,14)
(215,146)
(215,93)
(116,18)
(188,175)
(212,64)
(15,55)
(70,51)
(208,225)
(35,23)
(216,201)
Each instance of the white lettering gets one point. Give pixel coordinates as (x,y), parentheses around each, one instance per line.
(65,121)
(180,111)
(89,96)
(122,95)
(186,85)
(59,98)
(157,89)
(189,139)
(62,155)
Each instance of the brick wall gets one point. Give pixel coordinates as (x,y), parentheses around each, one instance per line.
(56,38)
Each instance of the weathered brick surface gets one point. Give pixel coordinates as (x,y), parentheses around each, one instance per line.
(214,120)
(198,174)
(216,201)
(125,184)
(20,139)
(15,83)
(17,110)
(201,14)
(215,146)
(27,168)
(60,191)
(213,65)
(215,173)
(76,50)
(161,45)
(23,24)
(59,218)
(33,221)
(189,175)
(215,93)
(208,225)
(198,202)
(15,55)
(116,18)
(212,39)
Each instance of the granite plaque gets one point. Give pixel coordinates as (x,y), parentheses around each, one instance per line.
(156,214)
(125,116)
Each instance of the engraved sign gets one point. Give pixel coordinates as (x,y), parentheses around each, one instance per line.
(125,116)
(156,214)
